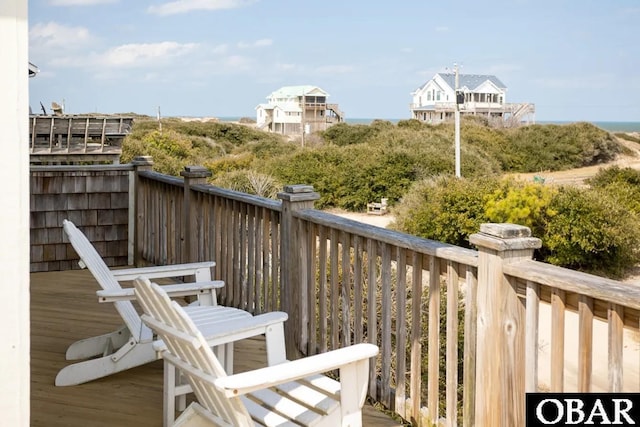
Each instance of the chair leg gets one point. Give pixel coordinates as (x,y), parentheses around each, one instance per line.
(169,394)
(95,346)
(197,416)
(92,369)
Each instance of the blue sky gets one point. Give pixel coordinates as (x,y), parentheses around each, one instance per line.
(575,59)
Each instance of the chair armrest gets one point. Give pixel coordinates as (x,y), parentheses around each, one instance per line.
(174,291)
(259,379)
(224,332)
(160,271)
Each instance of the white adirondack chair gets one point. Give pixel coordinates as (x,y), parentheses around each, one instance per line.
(132,345)
(289,393)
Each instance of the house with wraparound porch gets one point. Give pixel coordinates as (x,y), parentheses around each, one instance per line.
(479,94)
(292,109)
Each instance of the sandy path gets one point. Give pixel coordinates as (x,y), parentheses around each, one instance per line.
(377,220)
(577,176)
(600,376)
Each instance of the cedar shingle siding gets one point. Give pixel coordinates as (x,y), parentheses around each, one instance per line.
(97,201)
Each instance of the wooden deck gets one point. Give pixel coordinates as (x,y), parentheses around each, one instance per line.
(64,308)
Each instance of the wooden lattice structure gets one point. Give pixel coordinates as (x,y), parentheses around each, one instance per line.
(73,139)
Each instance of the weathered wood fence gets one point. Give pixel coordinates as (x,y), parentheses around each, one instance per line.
(462,333)
(72,138)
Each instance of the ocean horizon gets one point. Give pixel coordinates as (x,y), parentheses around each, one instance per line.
(606,125)
(609,126)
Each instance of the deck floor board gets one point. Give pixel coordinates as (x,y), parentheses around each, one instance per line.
(64,308)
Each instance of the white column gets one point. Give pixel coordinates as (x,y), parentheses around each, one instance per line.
(14,214)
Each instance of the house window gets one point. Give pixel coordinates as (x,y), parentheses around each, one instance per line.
(438,96)
(429,96)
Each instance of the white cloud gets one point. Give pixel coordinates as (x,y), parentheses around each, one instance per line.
(257,43)
(143,54)
(184,6)
(133,55)
(406,50)
(80,2)
(442,29)
(220,49)
(54,35)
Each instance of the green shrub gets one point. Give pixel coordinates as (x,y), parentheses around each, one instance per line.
(444,208)
(521,203)
(584,229)
(229,163)
(622,184)
(342,134)
(613,174)
(557,147)
(627,136)
(591,232)
(248,181)
(413,124)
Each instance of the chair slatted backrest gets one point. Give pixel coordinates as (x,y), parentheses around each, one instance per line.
(91,259)
(188,350)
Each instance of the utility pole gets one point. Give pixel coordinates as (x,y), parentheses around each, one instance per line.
(304,107)
(457,123)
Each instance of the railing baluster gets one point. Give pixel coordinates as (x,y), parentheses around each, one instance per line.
(385,349)
(251,260)
(531,337)
(585,343)
(242,256)
(357,289)
(433,378)
(470,334)
(401,331)
(322,288)
(557,340)
(256,264)
(345,289)
(615,315)
(334,291)
(415,386)
(451,360)
(312,300)
(276,283)
(372,313)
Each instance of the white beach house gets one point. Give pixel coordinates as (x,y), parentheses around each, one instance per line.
(292,109)
(486,95)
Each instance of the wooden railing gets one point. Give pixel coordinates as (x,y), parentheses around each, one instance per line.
(462,333)
(69,135)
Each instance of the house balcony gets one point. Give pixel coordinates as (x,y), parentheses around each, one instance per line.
(463,334)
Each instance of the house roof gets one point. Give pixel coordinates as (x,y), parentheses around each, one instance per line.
(295,91)
(471,81)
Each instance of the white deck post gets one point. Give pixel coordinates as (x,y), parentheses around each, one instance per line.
(14,216)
